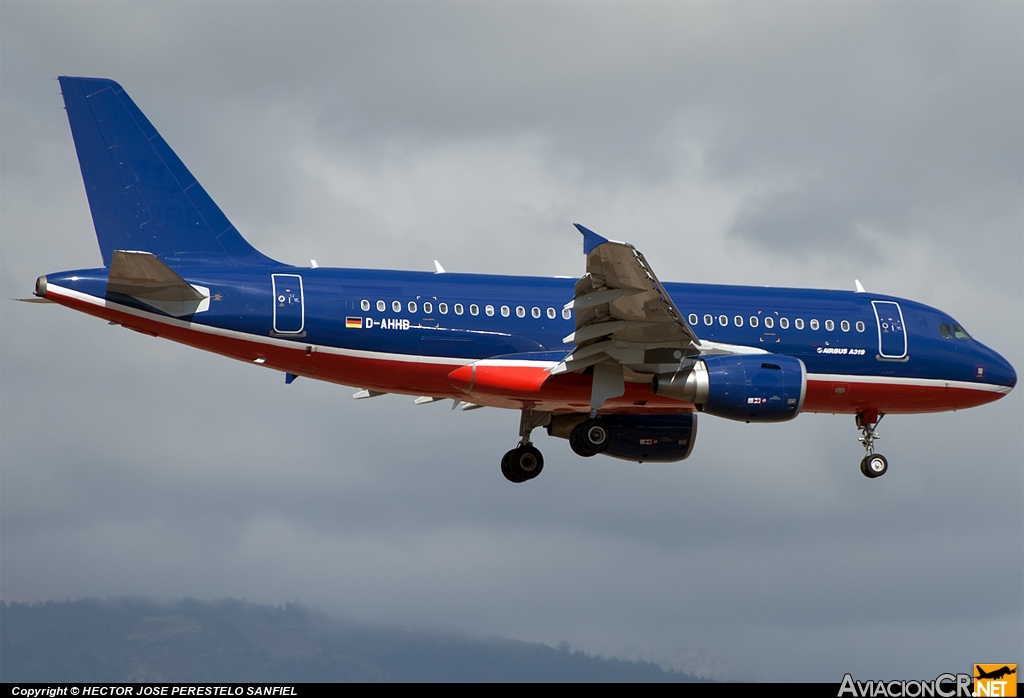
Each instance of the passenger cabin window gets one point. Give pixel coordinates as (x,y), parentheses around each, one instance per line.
(845,325)
(520,311)
(396,306)
(799,323)
(723,320)
(428,307)
(753,321)
(769,322)
(458,308)
(474,309)
(860,325)
(693,318)
(738,321)
(364,304)
(381,306)
(443,308)
(412,306)
(489,309)
(551,313)
(566,314)
(708,320)
(814,324)
(505,311)
(535,312)
(784,323)
(829,325)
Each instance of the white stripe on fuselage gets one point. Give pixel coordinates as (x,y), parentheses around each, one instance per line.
(506,363)
(234,334)
(919,382)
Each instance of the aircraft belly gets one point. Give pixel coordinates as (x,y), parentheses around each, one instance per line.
(854,394)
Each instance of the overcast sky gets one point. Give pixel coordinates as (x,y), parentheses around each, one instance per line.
(800,144)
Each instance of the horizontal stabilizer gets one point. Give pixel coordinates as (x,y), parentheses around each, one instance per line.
(142,276)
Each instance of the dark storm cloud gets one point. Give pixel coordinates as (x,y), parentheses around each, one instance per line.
(797,144)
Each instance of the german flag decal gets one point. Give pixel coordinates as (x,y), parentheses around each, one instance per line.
(355,323)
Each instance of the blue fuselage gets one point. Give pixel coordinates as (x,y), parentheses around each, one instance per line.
(476,316)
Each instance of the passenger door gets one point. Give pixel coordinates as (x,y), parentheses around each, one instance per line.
(892,333)
(289,314)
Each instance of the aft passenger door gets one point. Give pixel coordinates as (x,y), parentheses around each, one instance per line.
(892,333)
(289,314)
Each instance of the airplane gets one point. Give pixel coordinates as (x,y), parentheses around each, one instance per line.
(996,674)
(616,362)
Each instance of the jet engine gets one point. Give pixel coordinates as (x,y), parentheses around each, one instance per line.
(746,387)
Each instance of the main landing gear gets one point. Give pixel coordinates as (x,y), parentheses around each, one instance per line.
(524,462)
(589,438)
(874,464)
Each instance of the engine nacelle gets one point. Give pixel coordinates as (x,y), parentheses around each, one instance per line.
(745,387)
(660,438)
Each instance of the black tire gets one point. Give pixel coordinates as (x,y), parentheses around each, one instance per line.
(590,438)
(577,448)
(525,462)
(874,465)
(506,468)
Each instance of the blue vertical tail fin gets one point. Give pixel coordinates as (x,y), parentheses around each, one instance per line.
(141,195)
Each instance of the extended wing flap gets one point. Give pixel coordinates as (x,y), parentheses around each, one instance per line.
(622,308)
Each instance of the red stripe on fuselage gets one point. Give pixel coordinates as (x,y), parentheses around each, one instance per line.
(292,357)
(837,396)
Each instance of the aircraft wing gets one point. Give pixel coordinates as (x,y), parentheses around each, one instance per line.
(623,314)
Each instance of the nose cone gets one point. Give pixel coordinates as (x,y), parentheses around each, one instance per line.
(998,370)
(1009,378)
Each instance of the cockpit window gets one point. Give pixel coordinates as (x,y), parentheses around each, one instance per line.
(953,331)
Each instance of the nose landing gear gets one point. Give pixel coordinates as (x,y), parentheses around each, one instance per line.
(874,464)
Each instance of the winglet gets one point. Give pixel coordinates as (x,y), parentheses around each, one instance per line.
(858,286)
(590,238)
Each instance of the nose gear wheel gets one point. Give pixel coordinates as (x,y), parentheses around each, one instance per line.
(874,464)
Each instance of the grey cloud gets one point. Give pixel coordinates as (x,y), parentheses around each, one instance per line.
(797,143)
